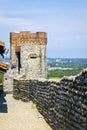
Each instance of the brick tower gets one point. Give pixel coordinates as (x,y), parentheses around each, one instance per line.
(28,53)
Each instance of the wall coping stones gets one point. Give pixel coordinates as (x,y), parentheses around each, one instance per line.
(63,104)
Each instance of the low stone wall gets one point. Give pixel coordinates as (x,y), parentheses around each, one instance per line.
(21,90)
(63,104)
(8,80)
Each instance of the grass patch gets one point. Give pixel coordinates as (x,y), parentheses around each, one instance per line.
(1,77)
(61,73)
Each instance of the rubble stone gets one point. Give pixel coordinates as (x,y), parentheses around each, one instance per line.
(63,104)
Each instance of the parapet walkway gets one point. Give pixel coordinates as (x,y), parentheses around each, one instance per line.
(17,115)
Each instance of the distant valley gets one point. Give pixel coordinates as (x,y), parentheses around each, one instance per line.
(59,67)
(67,62)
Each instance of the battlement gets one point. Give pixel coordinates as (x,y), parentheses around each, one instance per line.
(28,52)
(26,37)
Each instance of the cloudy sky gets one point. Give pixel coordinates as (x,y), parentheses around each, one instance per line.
(65,22)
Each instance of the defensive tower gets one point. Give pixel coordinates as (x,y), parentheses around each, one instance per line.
(28,53)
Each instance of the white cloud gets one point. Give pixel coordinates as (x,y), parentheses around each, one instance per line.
(64,23)
(27,12)
(66,28)
(16,22)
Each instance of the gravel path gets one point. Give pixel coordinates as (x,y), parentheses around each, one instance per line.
(17,115)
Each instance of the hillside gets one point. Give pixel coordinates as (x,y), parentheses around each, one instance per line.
(59,67)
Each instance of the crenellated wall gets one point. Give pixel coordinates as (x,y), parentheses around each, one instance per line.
(26,37)
(62,103)
(28,53)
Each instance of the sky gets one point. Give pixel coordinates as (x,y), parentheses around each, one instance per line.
(64,21)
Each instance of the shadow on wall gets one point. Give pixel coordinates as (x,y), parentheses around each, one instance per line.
(3,104)
(62,103)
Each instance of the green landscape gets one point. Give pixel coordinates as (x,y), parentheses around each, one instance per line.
(60,67)
(1,77)
(61,73)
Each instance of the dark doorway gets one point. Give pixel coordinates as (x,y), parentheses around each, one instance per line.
(19,60)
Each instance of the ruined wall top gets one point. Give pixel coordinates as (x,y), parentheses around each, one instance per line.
(2,43)
(26,37)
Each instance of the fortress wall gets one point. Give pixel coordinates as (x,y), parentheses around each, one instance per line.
(24,37)
(21,90)
(43,62)
(63,104)
(30,60)
(33,61)
(28,53)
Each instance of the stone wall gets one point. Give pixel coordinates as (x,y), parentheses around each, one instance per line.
(33,60)
(63,104)
(28,53)
(8,80)
(21,90)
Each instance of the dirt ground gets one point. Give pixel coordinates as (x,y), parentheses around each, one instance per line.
(17,115)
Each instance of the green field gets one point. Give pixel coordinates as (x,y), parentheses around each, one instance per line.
(1,77)
(61,73)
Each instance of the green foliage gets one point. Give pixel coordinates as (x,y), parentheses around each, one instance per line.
(1,77)
(61,73)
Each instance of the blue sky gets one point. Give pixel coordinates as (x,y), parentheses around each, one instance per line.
(65,22)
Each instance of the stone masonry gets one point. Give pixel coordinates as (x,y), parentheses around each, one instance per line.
(28,53)
(62,103)
(27,57)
